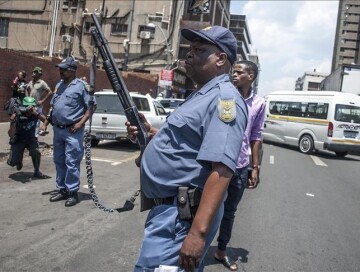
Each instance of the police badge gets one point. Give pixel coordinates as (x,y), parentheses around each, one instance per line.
(227,110)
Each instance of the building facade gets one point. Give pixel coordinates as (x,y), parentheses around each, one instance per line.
(143,35)
(139,33)
(239,27)
(347,37)
(310,81)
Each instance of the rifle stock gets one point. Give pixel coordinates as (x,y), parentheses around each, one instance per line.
(118,85)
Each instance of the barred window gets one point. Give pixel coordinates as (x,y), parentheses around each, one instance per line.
(4,27)
(119,27)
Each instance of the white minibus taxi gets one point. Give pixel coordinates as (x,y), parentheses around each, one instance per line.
(314,120)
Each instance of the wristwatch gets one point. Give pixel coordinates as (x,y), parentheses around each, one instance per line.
(255,166)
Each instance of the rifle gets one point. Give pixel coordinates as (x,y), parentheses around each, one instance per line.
(118,85)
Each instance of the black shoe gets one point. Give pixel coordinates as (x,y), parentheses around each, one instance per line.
(72,200)
(60,195)
(39,175)
(19,166)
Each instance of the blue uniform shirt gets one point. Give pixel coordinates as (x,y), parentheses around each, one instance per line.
(182,151)
(69,103)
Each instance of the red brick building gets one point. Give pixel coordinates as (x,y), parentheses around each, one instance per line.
(12,61)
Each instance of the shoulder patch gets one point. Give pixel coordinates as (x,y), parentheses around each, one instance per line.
(226,110)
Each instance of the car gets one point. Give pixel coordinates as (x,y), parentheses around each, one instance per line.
(170,103)
(108,121)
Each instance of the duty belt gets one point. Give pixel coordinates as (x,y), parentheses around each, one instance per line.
(64,126)
(164,201)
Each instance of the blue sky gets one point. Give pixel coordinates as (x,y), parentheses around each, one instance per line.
(290,38)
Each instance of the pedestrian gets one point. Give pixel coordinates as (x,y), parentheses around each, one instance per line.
(188,163)
(69,114)
(244,74)
(22,135)
(40,90)
(18,85)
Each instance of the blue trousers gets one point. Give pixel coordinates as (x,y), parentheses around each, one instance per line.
(163,237)
(68,153)
(235,192)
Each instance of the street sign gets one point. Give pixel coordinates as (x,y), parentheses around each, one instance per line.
(166,77)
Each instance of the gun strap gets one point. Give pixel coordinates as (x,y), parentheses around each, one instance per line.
(129,204)
(92,88)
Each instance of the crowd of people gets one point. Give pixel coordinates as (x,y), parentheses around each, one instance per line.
(194,170)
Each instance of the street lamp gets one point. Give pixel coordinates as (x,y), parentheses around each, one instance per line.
(168,57)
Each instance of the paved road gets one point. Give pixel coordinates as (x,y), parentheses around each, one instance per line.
(304,216)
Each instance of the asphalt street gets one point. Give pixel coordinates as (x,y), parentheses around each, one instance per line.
(304,215)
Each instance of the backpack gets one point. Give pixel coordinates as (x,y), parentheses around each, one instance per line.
(11,105)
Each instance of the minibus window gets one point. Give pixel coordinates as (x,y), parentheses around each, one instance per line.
(311,110)
(279,108)
(347,113)
(295,109)
(322,111)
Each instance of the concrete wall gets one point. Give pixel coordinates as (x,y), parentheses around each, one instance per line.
(12,61)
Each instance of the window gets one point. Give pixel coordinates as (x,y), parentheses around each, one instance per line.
(314,85)
(4,27)
(295,109)
(87,27)
(346,113)
(300,109)
(279,108)
(311,110)
(160,109)
(119,27)
(108,104)
(142,104)
(322,111)
(165,103)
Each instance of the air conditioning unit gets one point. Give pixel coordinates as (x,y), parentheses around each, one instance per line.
(66,38)
(145,35)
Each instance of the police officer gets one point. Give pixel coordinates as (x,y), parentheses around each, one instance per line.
(69,114)
(22,135)
(197,147)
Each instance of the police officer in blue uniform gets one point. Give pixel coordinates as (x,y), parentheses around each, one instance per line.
(197,147)
(69,114)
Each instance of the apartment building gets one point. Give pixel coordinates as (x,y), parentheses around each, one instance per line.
(347,37)
(144,35)
(310,81)
(239,27)
(136,30)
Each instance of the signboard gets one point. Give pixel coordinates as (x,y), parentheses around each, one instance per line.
(166,77)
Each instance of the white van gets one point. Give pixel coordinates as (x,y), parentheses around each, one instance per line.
(314,120)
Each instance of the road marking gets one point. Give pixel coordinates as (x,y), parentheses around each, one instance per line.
(317,161)
(87,186)
(308,194)
(105,160)
(272,159)
(115,162)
